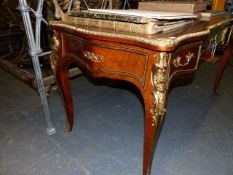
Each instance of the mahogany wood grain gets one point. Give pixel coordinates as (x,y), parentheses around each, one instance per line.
(149,67)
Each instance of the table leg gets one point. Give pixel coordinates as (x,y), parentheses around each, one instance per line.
(60,67)
(155,100)
(151,134)
(222,65)
(65,90)
(154,94)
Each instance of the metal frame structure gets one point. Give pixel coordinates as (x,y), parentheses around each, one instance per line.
(36,52)
(34,38)
(109,2)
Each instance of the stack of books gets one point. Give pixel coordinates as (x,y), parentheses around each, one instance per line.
(210,14)
(137,21)
(188,7)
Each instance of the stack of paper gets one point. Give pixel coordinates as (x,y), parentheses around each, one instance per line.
(160,15)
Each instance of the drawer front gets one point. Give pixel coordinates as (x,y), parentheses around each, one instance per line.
(113,59)
(185,59)
(217,39)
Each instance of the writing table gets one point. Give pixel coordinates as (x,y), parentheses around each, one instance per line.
(150,62)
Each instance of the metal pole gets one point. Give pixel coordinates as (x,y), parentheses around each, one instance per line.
(126,2)
(35,52)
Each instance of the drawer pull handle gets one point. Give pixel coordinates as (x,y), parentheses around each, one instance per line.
(188,57)
(93,57)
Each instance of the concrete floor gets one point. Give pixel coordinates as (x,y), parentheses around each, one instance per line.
(107,139)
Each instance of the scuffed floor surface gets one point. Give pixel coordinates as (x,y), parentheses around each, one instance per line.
(197,137)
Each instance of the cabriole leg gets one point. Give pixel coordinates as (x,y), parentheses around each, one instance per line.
(155,98)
